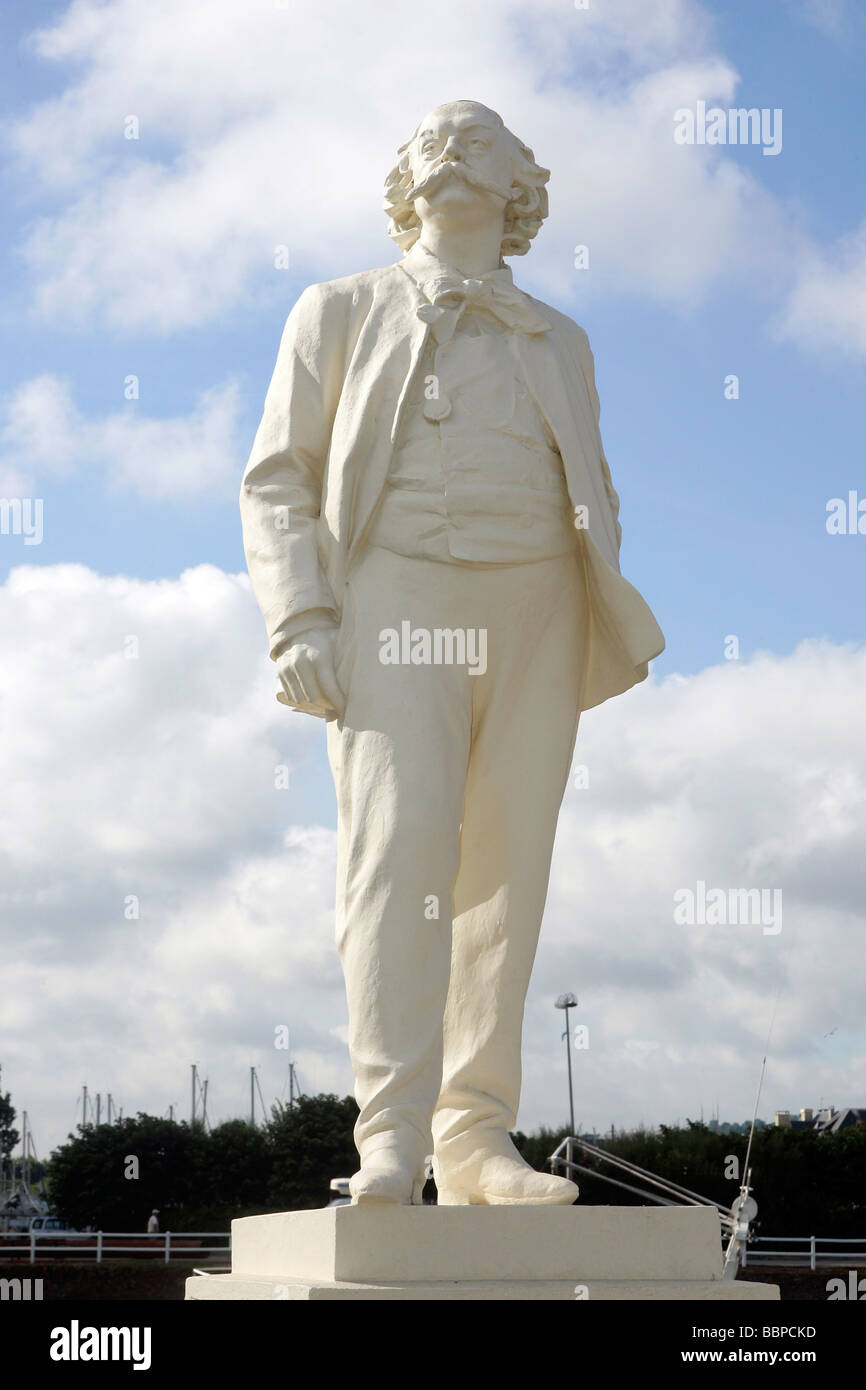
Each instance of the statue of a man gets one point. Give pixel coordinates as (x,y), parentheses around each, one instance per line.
(431,532)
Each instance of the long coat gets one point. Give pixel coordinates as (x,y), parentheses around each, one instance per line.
(323,450)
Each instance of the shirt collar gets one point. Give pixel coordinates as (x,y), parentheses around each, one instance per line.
(433,275)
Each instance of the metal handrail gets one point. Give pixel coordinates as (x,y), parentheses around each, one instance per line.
(734,1222)
(679,1195)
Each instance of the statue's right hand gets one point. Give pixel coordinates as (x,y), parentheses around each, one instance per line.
(307,674)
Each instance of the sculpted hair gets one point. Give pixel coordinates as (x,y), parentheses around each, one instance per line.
(523,215)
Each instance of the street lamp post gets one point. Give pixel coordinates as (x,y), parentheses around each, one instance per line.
(566,1002)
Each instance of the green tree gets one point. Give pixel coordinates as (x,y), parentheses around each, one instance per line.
(9,1136)
(93,1180)
(804,1182)
(311,1144)
(198,1180)
(237,1162)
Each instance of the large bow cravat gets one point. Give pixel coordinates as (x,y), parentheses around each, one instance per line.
(502,300)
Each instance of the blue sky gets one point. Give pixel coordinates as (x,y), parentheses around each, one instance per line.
(154,257)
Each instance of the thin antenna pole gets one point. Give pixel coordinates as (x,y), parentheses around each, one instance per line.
(567,1036)
(192,1113)
(262,1099)
(253,1097)
(760,1085)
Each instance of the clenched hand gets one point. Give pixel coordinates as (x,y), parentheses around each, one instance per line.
(306,671)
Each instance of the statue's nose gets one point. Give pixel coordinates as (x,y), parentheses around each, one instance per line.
(452,150)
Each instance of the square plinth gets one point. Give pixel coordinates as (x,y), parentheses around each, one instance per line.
(393,1246)
(463,1253)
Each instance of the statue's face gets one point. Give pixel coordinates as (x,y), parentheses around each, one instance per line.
(461,162)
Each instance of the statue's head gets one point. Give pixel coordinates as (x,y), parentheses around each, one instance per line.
(463,163)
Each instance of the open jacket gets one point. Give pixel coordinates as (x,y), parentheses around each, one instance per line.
(322,453)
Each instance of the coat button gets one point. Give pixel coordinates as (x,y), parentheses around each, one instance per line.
(437,409)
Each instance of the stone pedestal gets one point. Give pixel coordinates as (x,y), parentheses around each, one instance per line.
(466,1253)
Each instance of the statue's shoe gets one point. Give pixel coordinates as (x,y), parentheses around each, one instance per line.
(493,1178)
(386,1177)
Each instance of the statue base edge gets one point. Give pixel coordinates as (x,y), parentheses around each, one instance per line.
(239,1287)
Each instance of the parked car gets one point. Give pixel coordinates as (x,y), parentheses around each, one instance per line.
(51,1228)
(340,1193)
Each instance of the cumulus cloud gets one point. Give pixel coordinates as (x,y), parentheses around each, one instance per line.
(744,776)
(827,305)
(231,160)
(167,900)
(44,433)
(159,904)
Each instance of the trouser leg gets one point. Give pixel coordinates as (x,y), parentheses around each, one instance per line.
(524,728)
(399,761)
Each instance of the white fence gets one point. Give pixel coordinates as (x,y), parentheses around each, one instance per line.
(180,1245)
(796,1251)
(811,1251)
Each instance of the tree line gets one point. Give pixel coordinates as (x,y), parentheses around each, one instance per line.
(110,1177)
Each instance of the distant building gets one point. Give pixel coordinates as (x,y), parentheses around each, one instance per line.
(841,1119)
(825,1121)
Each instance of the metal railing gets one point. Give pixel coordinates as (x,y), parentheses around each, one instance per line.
(808,1254)
(157,1244)
(668,1194)
(742,1247)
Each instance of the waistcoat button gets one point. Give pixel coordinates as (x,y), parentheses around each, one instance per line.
(438,409)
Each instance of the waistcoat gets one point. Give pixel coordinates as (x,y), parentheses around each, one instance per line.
(475,477)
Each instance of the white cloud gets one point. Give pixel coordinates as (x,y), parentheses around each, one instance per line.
(744,776)
(233,159)
(827,306)
(13,483)
(43,432)
(155,777)
(703,219)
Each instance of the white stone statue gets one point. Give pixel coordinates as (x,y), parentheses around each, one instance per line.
(432,535)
